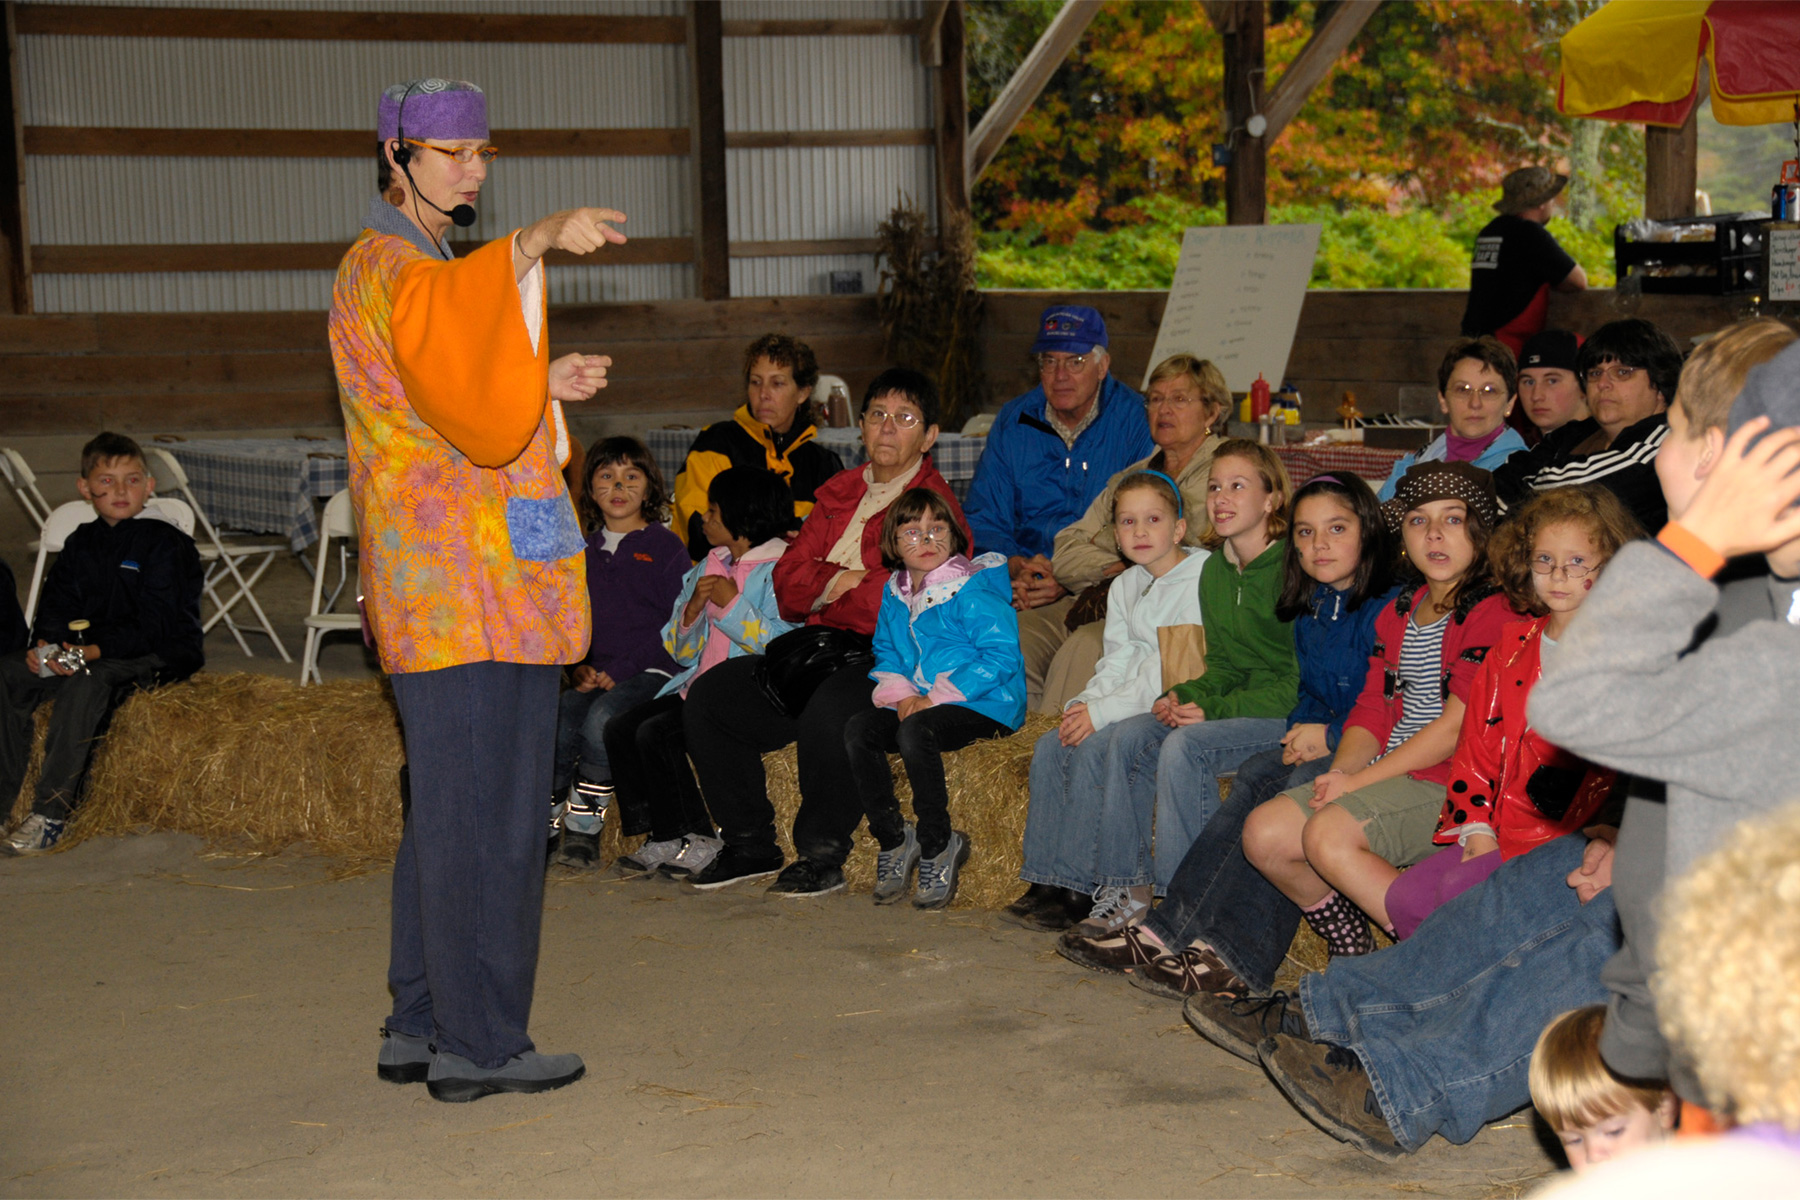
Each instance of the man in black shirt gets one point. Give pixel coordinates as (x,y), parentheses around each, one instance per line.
(1517,262)
(126,591)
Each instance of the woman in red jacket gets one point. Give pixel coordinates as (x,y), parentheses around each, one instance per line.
(1510,790)
(1334,846)
(832,575)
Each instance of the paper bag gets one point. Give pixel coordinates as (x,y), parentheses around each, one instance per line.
(1183,650)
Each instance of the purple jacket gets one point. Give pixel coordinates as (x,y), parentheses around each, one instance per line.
(632,591)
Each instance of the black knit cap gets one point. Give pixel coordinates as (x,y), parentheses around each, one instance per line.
(1550,348)
(1439,480)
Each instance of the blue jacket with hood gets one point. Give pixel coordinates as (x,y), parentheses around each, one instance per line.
(956,640)
(1333,644)
(1029,486)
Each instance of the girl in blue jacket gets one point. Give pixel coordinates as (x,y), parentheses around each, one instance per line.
(948,672)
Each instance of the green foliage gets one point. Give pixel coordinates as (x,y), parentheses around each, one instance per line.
(1358,247)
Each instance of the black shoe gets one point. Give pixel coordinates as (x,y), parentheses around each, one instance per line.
(578,850)
(805,878)
(1240,1025)
(1047,908)
(735,865)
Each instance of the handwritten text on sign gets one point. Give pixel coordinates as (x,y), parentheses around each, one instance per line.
(1236,298)
(1784,264)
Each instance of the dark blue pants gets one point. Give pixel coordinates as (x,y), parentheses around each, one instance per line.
(469,878)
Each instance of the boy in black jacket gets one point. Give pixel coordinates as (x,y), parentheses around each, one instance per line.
(136,582)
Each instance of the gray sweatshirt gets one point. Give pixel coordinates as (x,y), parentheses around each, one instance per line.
(1664,675)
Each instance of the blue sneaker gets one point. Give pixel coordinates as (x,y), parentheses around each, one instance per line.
(35,834)
(894,867)
(937,876)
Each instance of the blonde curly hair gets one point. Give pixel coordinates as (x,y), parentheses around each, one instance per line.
(1728,984)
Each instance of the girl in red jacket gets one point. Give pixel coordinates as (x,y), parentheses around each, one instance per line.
(1334,846)
(1510,790)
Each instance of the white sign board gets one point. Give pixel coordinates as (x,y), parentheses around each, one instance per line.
(1236,299)
(1784,264)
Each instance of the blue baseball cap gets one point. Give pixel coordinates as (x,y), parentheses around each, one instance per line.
(1070,329)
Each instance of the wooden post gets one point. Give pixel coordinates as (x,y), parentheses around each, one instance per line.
(1246,176)
(15,229)
(706,142)
(1671,169)
(952,119)
(1002,116)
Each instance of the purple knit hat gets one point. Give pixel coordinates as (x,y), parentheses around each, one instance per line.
(446,109)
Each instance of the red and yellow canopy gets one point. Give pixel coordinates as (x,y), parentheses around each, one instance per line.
(1640,60)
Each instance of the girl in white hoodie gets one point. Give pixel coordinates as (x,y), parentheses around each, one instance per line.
(1068,767)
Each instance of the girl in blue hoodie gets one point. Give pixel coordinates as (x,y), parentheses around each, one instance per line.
(948,672)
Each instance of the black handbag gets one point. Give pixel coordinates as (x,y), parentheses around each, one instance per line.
(794,665)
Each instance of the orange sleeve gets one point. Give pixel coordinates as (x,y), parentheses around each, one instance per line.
(464,356)
(1683,544)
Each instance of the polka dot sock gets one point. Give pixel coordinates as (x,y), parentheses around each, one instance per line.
(1342,925)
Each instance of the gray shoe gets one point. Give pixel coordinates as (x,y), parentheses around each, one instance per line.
(647,858)
(454,1079)
(403,1058)
(937,876)
(697,852)
(1113,910)
(35,834)
(894,867)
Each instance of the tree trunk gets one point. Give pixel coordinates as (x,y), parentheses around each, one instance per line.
(1585,172)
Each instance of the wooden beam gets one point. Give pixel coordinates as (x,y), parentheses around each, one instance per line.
(952,118)
(1002,116)
(836,27)
(1246,177)
(931,47)
(286,24)
(334,143)
(15,225)
(1316,59)
(1671,169)
(712,215)
(356,143)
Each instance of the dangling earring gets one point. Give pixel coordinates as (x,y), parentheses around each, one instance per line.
(396,196)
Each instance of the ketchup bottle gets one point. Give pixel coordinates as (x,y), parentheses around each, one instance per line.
(1259,399)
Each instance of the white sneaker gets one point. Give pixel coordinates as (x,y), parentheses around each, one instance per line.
(35,834)
(647,857)
(1113,910)
(697,853)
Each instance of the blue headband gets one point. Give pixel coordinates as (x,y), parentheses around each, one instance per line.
(1172,488)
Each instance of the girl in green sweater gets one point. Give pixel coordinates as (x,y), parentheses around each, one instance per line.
(1163,766)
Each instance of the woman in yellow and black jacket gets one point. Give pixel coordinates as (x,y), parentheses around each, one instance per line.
(770,432)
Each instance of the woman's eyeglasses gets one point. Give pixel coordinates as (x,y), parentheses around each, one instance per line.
(462,154)
(902,419)
(1619,371)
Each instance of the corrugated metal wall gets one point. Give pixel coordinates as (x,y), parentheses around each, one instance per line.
(771,84)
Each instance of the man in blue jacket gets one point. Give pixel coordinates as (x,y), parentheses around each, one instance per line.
(1052,450)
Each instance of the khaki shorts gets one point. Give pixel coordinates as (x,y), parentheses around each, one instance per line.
(1398,816)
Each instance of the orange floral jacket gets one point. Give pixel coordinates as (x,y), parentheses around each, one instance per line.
(471,551)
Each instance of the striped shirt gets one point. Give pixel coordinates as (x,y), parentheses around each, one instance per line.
(1421,679)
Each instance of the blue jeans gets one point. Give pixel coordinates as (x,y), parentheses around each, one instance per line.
(469,877)
(1171,775)
(1216,896)
(581,719)
(1062,822)
(1445,1021)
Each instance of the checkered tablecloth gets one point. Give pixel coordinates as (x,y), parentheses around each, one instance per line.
(954,454)
(1303,462)
(264,485)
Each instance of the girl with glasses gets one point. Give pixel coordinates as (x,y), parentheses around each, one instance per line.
(947,673)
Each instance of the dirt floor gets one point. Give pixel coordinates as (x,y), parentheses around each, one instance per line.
(186,1024)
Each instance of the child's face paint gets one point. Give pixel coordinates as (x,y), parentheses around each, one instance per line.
(618,488)
(925,543)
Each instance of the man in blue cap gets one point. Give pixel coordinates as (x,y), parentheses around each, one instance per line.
(1049,453)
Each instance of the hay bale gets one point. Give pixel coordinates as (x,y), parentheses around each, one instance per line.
(989,792)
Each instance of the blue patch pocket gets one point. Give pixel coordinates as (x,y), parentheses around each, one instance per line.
(543,530)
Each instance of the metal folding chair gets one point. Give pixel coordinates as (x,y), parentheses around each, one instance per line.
(23,482)
(339,522)
(223,559)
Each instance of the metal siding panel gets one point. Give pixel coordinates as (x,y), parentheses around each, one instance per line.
(807,275)
(206,83)
(826,83)
(819,10)
(823,192)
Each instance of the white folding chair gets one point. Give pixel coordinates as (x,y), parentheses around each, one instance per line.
(339,522)
(174,512)
(222,558)
(64,519)
(23,482)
